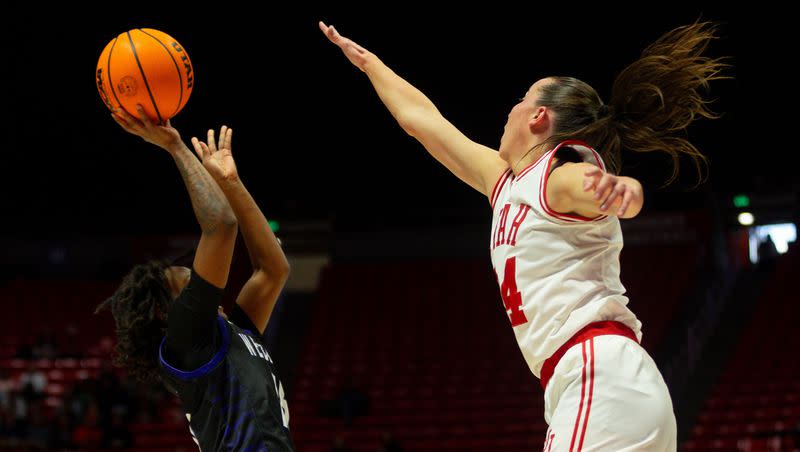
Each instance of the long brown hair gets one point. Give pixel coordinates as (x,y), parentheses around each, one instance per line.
(653,101)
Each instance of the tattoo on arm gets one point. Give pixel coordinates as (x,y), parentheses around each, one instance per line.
(209,203)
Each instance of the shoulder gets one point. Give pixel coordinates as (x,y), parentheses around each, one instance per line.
(199,285)
(565,175)
(563,185)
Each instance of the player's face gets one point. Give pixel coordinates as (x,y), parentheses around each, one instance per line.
(516,133)
(177,278)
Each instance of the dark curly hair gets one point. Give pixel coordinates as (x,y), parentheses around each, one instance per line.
(653,101)
(140,307)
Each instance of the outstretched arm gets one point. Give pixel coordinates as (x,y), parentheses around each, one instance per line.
(270,267)
(475,164)
(214,214)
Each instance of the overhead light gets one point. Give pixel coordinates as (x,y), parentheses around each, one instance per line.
(746,219)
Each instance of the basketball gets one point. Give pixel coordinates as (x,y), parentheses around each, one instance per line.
(147,67)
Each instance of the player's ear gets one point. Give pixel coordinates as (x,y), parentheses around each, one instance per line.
(540,120)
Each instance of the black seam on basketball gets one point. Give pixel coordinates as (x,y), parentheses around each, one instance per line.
(177,68)
(110,84)
(144,77)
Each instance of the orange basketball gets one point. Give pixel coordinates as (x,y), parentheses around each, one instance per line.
(148,67)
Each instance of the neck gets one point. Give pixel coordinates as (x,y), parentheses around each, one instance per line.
(533,154)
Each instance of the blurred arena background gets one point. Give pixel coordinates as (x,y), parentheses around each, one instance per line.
(390,334)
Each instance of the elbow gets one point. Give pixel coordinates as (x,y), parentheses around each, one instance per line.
(632,212)
(413,119)
(275,274)
(281,270)
(228,218)
(634,208)
(636,202)
(277,269)
(406,122)
(224,223)
(228,224)
(227,221)
(222,216)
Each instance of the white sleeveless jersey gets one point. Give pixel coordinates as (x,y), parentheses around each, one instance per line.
(557,272)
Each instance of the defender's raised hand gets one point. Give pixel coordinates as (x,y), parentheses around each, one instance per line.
(354,52)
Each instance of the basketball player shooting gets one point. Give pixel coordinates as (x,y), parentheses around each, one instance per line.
(169,325)
(556,237)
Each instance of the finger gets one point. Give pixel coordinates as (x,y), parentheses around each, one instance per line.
(122,123)
(229,140)
(590,182)
(206,151)
(212,147)
(604,183)
(120,119)
(329,32)
(130,120)
(143,117)
(222,132)
(335,34)
(592,177)
(323,27)
(612,195)
(618,190)
(121,112)
(626,200)
(197,149)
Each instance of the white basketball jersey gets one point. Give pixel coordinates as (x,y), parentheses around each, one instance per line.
(557,272)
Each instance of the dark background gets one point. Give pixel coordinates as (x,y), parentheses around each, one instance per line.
(312,139)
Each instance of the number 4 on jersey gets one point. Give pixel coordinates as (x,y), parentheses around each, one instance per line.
(512,298)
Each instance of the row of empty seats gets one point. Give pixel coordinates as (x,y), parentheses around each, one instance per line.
(755,404)
(431,345)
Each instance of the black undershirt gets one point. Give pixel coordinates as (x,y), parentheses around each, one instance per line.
(565,155)
(192,333)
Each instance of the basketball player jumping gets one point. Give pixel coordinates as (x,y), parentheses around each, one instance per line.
(556,234)
(169,327)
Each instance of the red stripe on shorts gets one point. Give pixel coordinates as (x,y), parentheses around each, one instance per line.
(583,393)
(591,391)
(551,438)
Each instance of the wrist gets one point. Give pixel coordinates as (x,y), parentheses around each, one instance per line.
(229,182)
(175,147)
(370,62)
